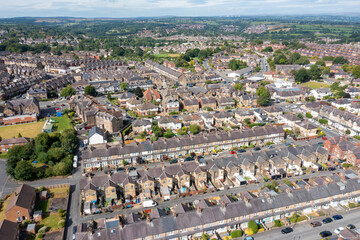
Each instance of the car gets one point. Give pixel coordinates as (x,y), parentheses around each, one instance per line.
(232,152)
(249,238)
(287,144)
(350,226)
(338,230)
(324,138)
(327,220)
(325,234)
(132,168)
(315,224)
(172,161)
(331,169)
(74,232)
(242,150)
(286,230)
(337,217)
(257,149)
(271,146)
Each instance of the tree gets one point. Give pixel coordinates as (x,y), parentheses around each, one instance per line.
(42,140)
(300,116)
(67,91)
(19,135)
(308,115)
(194,128)
(311,98)
(315,72)
(90,90)
(123,86)
(320,63)
(169,134)
(138,92)
(237,64)
(264,97)
(183,131)
(23,171)
(347,131)
(42,157)
(238,87)
(355,71)
(340,60)
(55,154)
(302,76)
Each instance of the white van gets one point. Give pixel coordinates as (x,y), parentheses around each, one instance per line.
(149,203)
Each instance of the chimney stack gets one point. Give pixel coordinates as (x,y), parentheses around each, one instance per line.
(163,165)
(174,214)
(199,209)
(148,218)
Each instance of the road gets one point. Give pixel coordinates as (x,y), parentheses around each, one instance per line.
(305,231)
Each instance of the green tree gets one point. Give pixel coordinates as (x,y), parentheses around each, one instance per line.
(90,90)
(264,97)
(300,116)
(67,91)
(123,86)
(23,171)
(315,72)
(42,140)
(340,60)
(238,87)
(19,135)
(138,92)
(55,154)
(169,134)
(42,157)
(194,128)
(347,131)
(355,71)
(302,76)
(308,115)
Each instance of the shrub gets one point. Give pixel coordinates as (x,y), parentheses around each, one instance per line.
(352,205)
(347,165)
(40,235)
(323,121)
(236,233)
(253,226)
(278,223)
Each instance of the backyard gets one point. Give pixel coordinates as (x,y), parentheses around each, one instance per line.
(29,130)
(62,123)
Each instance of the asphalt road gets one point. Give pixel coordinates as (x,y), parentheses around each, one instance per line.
(305,231)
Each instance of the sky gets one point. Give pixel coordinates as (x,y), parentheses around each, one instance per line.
(154,8)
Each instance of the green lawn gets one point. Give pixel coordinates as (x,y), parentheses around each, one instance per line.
(51,221)
(315,85)
(30,130)
(62,123)
(42,205)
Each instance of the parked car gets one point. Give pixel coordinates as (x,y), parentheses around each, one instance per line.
(242,150)
(338,230)
(249,238)
(327,220)
(337,217)
(74,232)
(350,226)
(324,138)
(132,168)
(257,149)
(172,161)
(232,152)
(315,224)
(325,234)
(286,230)
(331,169)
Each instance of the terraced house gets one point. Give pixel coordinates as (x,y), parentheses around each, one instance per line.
(187,223)
(112,155)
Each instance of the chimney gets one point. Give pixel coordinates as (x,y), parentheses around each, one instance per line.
(127,170)
(163,165)
(307,187)
(145,167)
(288,190)
(174,214)
(246,200)
(268,196)
(148,218)
(341,138)
(121,225)
(223,204)
(198,209)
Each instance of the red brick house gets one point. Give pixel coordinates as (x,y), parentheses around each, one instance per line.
(6,144)
(152,94)
(21,204)
(343,148)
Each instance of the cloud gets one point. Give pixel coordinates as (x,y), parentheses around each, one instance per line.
(136,8)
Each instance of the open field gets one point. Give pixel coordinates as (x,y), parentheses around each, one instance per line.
(315,85)
(27,130)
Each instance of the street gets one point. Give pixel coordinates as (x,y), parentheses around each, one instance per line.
(305,231)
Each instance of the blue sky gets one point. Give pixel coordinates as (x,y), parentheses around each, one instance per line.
(148,8)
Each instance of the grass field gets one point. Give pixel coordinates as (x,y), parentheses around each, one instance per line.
(62,123)
(315,85)
(42,205)
(27,130)
(51,221)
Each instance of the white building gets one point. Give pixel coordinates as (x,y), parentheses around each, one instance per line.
(96,136)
